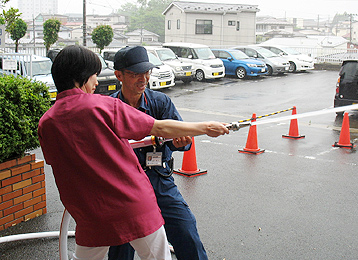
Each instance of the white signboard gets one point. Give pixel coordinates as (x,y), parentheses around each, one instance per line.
(8,64)
(2,36)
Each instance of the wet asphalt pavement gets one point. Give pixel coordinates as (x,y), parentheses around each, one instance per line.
(297,200)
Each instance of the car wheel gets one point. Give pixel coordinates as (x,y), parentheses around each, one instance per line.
(186,81)
(199,75)
(292,67)
(339,114)
(240,73)
(269,70)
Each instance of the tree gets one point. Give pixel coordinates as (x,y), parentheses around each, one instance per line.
(17,31)
(102,36)
(147,15)
(9,17)
(12,25)
(51,29)
(3,2)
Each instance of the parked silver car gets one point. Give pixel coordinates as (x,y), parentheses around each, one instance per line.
(182,70)
(275,64)
(298,61)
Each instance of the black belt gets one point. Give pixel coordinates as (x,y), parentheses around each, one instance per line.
(171,167)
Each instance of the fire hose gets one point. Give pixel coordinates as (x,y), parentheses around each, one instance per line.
(159,141)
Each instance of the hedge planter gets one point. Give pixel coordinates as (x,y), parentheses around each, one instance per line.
(22,190)
(22,177)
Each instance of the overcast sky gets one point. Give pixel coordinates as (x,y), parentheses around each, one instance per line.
(278,8)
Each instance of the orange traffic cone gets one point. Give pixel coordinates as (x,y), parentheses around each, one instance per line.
(189,167)
(344,137)
(251,143)
(293,133)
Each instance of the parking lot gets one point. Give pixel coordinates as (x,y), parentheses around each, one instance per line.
(297,200)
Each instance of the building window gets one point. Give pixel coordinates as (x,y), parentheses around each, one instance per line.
(178,24)
(204,27)
(281,27)
(169,24)
(238,26)
(231,23)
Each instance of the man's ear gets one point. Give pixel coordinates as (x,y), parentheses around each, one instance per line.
(119,74)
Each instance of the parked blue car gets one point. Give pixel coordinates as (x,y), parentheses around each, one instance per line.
(237,63)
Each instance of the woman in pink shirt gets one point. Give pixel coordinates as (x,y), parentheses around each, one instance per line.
(84,137)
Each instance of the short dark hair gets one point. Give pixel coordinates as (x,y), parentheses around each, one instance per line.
(73,64)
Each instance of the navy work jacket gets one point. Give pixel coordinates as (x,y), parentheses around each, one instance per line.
(159,106)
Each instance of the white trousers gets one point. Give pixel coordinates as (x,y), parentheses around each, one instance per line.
(152,247)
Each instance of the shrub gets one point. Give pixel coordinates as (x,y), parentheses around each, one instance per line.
(22,103)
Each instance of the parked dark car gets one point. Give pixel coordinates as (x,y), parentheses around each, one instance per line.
(107,81)
(347,85)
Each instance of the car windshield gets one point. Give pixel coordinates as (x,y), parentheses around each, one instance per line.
(154,60)
(166,54)
(40,67)
(204,53)
(290,51)
(266,53)
(239,55)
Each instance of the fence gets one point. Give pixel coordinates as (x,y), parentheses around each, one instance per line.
(16,64)
(329,55)
(321,55)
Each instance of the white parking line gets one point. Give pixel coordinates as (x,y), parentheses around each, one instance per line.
(308,157)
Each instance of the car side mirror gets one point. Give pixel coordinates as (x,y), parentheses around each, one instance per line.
(190,56)
(230,58)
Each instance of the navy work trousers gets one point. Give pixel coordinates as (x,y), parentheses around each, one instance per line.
(180,224)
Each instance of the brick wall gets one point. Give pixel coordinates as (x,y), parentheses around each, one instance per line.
(22,190)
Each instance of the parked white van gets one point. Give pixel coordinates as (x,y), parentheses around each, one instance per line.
(31,66)
(182,70)
(162,75)
(205,64)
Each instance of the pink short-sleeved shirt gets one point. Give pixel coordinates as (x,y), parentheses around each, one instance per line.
(84,137)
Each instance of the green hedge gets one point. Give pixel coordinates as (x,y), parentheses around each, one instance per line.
(22,103)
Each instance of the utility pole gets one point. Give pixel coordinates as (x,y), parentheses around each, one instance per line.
(84,23)
(351,26)
(34,32)
(141,35)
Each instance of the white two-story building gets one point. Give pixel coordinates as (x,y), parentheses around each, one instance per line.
(210,24)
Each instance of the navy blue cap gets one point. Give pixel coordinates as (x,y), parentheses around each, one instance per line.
(133,58)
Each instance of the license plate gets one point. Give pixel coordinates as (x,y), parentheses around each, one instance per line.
(112,87)
(53,94)
(216,74)
(163,83)
(188,73)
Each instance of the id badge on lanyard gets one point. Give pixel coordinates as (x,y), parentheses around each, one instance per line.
(153,158)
